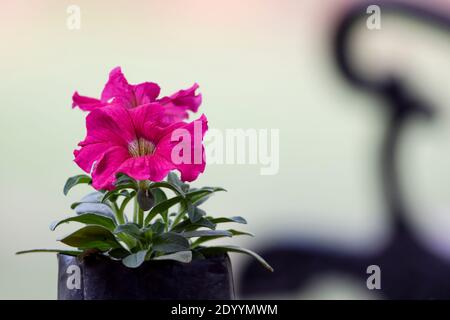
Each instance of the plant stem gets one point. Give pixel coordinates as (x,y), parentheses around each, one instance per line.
(138,213)
(141,217)
(125,203)
(117,212)
(135,210)
(121,220)
(176,220)
(166,225)
(178,217)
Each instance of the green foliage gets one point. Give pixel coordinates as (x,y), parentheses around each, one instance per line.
(73,181)
(153,233)
(88,218)
(91,237)
(222,249)
(134,260)
(169,242)
(66,252)
(180,256)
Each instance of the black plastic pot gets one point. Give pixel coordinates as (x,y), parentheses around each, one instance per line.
(100,278)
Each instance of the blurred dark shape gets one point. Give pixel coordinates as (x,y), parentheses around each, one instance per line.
(100,278)
(408,269)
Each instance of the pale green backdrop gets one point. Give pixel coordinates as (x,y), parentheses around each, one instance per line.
(260,64)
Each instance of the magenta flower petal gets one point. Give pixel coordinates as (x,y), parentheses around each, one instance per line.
(118,91)
(104,172)
(132,141)
(184,99)
(117,88)
(106,127)
(192,164)
(172,114)
(110,123)
(152,167)
(152,113)
(89,154)
(86,103)
(177,105)
(146,92)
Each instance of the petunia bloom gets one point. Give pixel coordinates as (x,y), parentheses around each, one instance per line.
(118,91)
(132,141)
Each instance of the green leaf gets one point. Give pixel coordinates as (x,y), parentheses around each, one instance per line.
(187,225)
(239,250)
(201,200)
(173,179)
(67,252)
(88,218)
(147,234)
(91,203)
(170,242)
(76,204)
(162,207)
(126,201)
(73,181)
(129,228)
(180,256)
(91,237)
(167,185)
(196,196)
(122,178)
(240,233)
(195,214)
(207,233)
(118,253)
(226,219)
(116,193)
(204,239)
(134,260)
(157,227)
(93,197)
(159,195)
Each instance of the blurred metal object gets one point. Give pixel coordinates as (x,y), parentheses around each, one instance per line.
(409,269)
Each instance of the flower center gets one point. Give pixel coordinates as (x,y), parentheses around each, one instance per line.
(141,147)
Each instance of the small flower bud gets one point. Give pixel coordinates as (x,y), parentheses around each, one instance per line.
(145,199)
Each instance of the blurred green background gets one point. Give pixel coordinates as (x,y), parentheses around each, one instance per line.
(260,64)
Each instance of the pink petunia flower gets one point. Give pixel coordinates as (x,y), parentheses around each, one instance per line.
(118,91)
(132,141)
